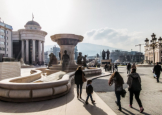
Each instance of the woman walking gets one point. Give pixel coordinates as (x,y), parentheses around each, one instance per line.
(118,80)
(134,66)
(79,81)
(134,82)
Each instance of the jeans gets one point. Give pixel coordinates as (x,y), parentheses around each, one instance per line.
(118,93)
(157,75)
(89,95)
(79,85)
(137,94)
(128,71)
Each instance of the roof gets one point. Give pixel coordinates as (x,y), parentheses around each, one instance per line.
(32,23)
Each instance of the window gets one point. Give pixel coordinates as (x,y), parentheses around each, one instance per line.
(35,28)
(1,30)
(6,43)
(1,36)
(30,27)
(6,49)
(2,43)
(7,32)
(7,38)
(1,48)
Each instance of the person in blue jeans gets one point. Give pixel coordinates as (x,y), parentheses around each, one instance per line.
(118,80)
(89,90)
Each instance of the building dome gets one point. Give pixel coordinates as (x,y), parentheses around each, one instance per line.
(32,23)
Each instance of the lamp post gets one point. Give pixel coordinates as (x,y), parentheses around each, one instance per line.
(153,44)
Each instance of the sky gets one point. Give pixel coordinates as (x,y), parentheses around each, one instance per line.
(114,23)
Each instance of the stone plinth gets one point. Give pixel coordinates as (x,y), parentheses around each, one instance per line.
(9,70)
(103,62)
(67,42)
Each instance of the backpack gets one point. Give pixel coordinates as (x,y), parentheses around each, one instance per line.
(136,85)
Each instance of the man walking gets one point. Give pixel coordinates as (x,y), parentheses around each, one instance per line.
(128,68)
(156,70)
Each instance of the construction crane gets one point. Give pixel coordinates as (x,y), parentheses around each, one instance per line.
(139,46)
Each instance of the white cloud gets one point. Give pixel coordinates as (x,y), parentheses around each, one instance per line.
(117,38)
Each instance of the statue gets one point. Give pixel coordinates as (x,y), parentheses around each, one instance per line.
(53,60)
(103,55)
(84,61)
(65,60)
(97,55)
(79,58)
(59,55)
(108,53)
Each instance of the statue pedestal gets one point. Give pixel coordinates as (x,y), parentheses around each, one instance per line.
(106,61)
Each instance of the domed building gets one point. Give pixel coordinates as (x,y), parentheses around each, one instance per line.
(28,43)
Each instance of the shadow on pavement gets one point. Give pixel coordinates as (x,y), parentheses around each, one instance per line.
(8,107)
(141,113)
(94,110)
(101,85)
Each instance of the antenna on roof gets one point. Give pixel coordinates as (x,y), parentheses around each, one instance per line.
(32,17)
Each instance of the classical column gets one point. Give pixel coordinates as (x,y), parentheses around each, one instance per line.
(22,49)
(27,51)
(39,51)
(33,52)
(43,52)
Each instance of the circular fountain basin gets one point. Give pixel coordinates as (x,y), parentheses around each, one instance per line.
(24,89)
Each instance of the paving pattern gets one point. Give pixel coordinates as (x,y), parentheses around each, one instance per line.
(151,94)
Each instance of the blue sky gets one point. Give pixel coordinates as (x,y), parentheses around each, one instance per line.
(115,23)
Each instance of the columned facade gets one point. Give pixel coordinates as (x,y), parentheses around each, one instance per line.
(32,43)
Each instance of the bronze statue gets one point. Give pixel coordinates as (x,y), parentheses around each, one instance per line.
(103,55)
(65,60)
(79,59)
(53,60)
(84,61)
(108,53)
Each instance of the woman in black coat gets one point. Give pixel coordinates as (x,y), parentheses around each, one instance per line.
(79,80)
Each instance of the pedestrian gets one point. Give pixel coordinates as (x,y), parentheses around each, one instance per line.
(89,91)
(116,67)
(134,82)
(106,67)
(134,66)
(156,70)
(128,68)
(113,67)
(79,81)
(118,80)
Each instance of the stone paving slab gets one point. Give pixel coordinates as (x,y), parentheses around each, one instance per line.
(151,94)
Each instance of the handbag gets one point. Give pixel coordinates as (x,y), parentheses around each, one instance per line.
(83,78)
(123,93)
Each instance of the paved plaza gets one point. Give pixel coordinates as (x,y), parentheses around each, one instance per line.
(151,96)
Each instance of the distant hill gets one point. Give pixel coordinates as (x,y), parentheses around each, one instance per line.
(87,48)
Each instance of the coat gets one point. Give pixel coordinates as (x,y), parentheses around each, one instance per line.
(89,89)
(130,79)
(78,77)
(157,69)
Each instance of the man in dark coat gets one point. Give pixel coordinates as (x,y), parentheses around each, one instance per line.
(106,67)
(128,68)
(156,70)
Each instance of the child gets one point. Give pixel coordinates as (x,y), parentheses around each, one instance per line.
(89,90)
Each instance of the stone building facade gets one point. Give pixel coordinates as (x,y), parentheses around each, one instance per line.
(5,40)
(149,55)
(126,57)
(28,43)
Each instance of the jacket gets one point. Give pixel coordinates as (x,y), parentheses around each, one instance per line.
(129,66)
(157,69)
(89,89)
(78,77)
(118,87)
(130,79)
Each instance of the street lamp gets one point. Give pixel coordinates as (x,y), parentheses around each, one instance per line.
(153,43)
